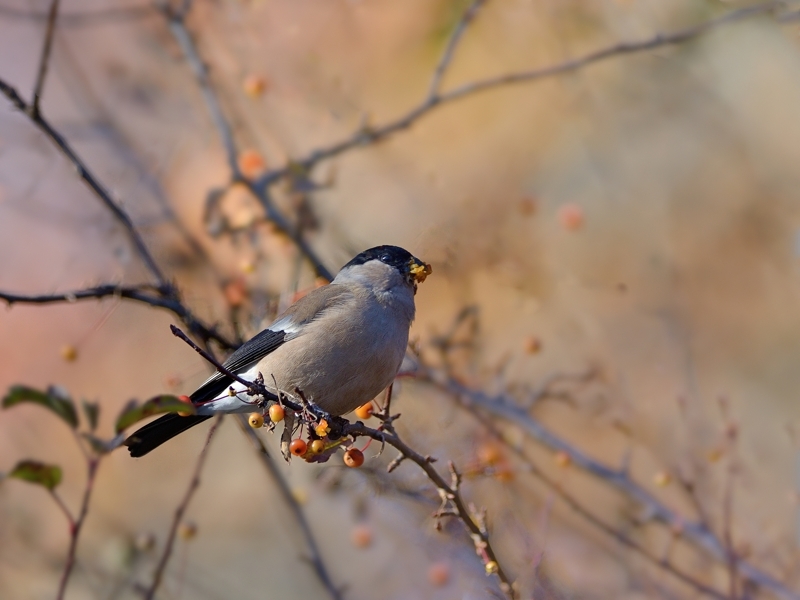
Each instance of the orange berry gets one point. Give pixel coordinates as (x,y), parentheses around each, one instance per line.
(489,453)
(365,411)
(235,292)
(662,479)
(533,344)
(144,542)
(527,206)
(317,446)
(298,447)
(187,530)
(254,85)
(187,400)
(255,420)
(504,474)
(562,459)
(251,163)
(361,536)
(276,413)
(69,353)
(439,573)
(571,217)
(354,458)
(173,381)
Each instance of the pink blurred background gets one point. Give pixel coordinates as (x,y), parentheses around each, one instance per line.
(681,283)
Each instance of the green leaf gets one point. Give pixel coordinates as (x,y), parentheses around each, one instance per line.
(155,406)
(48,476)
(92,412)
(53,399)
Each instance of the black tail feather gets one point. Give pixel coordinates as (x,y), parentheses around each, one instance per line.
(154,434)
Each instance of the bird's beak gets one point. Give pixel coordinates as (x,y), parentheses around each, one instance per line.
(419,270)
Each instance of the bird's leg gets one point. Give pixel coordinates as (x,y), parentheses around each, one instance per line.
(286,436)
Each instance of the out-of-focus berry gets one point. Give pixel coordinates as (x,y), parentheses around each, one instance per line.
(571,217)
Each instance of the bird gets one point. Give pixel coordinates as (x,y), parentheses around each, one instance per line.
(340,345)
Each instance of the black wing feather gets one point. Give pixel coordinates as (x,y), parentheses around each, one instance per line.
(245,356)
(154,434)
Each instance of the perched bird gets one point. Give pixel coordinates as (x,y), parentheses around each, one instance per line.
(341,345)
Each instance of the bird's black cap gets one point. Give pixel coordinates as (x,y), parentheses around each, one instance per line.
(414,269)
(394,256)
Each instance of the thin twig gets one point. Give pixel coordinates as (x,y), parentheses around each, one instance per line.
(450,47)
(220,367)
(194,483)
(696,532)
(60,503)
(86,175)
(44,60)
(448,491)
(76,525)
(371,135)
(154,295)
(175,20)
(178,28)
(594,520)
(659,40)
(315,557)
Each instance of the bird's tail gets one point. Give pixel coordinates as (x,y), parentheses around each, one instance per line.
(165,428)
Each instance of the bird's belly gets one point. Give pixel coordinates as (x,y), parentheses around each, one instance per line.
(341,377)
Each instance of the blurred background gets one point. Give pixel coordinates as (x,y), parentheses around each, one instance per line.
(632,226)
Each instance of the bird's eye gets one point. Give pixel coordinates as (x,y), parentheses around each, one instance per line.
(385,258)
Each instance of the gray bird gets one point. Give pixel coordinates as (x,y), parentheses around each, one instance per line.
(341,345)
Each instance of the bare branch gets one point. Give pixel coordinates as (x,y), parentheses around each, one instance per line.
(450,492)
(177,26)
(696,532)
(44,60)
(135,292)
(370,135)
(194,483)
(450,48)
(83,172)
(558,489)
(657,41)
(220,367)
(200,70)
(76,525)
(159,296)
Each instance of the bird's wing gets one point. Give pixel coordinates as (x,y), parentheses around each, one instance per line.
(284,328)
